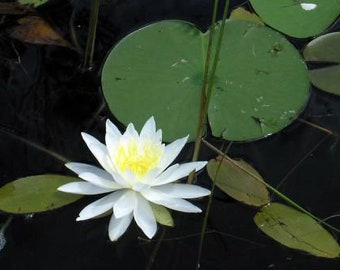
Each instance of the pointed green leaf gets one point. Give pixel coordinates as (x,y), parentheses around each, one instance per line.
(243,14)
(234,181)
(35,194)
(162,215)
(323,49)
(298,18)
(158,70)
(327,79)
(296,230)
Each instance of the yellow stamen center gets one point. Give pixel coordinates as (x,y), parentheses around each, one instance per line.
(138,157)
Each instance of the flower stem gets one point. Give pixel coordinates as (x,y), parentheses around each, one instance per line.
(208,81)
(271,188)
(207,212)
(6,224)
(88,58)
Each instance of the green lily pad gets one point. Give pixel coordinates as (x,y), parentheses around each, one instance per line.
(36,194)
(296,230)
(158,70)
(33,2)
(325,49)
(298,18)
(162,215)
(237,183)
(326,79)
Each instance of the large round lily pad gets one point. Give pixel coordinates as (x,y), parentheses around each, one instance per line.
(298,18)
(261,83)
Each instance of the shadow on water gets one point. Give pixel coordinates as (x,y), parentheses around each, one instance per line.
(46,99)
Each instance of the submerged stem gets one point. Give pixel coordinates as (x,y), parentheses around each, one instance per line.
(271,188)
(208,81)
(88,58)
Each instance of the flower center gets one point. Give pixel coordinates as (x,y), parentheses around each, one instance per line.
(138,157)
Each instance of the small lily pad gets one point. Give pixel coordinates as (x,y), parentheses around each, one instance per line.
(325,49)
(296,230)
(36,194)
(162,215)
(234,181)
(298,18)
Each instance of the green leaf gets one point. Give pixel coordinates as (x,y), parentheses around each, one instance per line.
(327,79)
(35,194)
(162,215)
(296,230)
(158,70)
(261,83)
(243,14)
(236,182)
(324,49)
(33,2)
(298,18)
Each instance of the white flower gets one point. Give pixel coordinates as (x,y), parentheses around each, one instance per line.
(136,172)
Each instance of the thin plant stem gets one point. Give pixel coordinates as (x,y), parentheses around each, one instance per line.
(155,250)
(207,212)
(271,188)
(6,224)
(208,81)
(202,114)
(317,127)
(88,58)
(36,146)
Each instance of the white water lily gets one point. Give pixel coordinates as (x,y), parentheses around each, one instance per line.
(136,172)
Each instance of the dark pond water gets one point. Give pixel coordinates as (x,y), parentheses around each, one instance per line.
(46,99)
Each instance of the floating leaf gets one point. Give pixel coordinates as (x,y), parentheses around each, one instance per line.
(243,14)
(296,230)
(152,65)
(324,49)
(298,18)
(35,194)
(234,181)
(33,2)
(162,215)
(33,29)
(327,78)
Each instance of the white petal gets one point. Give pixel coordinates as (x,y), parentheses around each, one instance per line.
(100,206)
(99,181)
(178,204)
(183,191)
(149,128)
(118,226)
(308,6)
(171,151)
(83,187)
(144,217)
(120,180)
(125,204)
(111,128)
(180,172)
(131,132)
(99,150)
(79,168)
